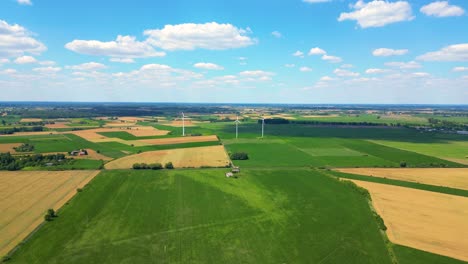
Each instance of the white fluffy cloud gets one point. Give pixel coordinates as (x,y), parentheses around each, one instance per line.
(124,47)
(378,13)
(47,70)
(325,56)
(15,41)
(403,65)
(89,66)
(442,9)
(460,69)
(122,60)
(317,51)
(458,52)
(332,59)
(305,69)
(208,66)
(326,79)
(384,52)
(345,73)
(375,71)
(298,54)
(189,36)
(257,75)
(25,60)
(24,2)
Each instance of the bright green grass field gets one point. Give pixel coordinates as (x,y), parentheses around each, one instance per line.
(321,152)
(199,216)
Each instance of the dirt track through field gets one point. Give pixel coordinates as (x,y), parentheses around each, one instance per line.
(25,196)
(213,156)
(429,221)
(448,177)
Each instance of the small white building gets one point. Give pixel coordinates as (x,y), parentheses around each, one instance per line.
(229,174)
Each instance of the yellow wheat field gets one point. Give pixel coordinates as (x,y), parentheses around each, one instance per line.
(9,147)
(213,156)
(27,120)
(175,140)
(448,177)
(25,197)
(429,221)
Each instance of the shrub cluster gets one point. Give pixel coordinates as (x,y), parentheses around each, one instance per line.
(25,147)
(239,156)
(144,166)
(50,215)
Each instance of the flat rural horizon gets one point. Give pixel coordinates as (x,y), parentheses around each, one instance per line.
(290,131)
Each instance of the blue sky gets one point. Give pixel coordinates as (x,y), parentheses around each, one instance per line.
(294,51)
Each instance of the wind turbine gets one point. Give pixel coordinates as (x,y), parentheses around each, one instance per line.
(263,125)
(237,124)
(183,124)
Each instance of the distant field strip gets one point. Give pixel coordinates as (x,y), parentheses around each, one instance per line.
(213,156)
(448,177)
(26,196)
(429,221)
(9,147)
(176,140)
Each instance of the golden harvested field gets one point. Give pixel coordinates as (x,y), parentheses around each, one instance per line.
(58,125)
(175,140)
(27,120)
(25,197)
(119,124)
(320,116)
(178,123)
(92,134)
(132,119)
(213,156)
(30,133)
(8,147)
(145,131)
(448,177)
(430,221)
(280,116)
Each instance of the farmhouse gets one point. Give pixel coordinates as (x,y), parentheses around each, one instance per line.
(235,169)
(81,152)
(229,174)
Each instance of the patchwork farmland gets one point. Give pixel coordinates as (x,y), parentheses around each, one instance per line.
(288,192)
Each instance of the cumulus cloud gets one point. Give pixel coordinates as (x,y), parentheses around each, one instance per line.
(89,66)
(15,41)
(122,60)
(305,69)
(298,54)
(460,69)
(378,13)
(442,9)
(404,65)
(375,71)
(25,60)
(24,2)
(124,47)
(345,73)
(189,36)
(257,75)
(385,52)
(276,34)
(208,66)
(8,71)
(420,74)
(457,52)
(317,51)
(332,59)
(326,79)
(47,70)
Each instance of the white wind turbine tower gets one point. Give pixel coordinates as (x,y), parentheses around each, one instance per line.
(183,124)
(263,125)
(237,124)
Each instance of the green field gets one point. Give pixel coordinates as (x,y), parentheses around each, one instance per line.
(199,216)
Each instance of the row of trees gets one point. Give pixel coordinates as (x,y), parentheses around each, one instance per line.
(444,124)
(281,121)
(9,131)
(239,156)
(25,147)
(12,163)
(152,166)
